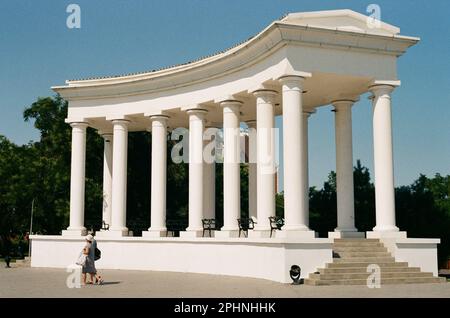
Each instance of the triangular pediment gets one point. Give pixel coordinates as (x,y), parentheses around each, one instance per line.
(345,20)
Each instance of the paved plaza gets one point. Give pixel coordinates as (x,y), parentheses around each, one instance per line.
(44,282)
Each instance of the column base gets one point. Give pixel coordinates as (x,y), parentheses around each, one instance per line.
(227,234)
(386,234)
(114,233)
(192,233)
(154,233)
(260,233)
(74,232)
(213,233)
(296,234)
(295,227)
(102,233)
(385,228)
(346,234)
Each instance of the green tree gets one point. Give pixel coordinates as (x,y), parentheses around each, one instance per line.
(364,192)
(422,210)
(52,159)
(17,168)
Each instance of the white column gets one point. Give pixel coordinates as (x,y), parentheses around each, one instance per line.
(305,165)
(209,171)
(158,178)
(107,176)
(196,191)
(265,148)
(119,182)
(383,160)
(209,175)
(252,169)
(231,169)
(344,170)
(295,156)
(77,180)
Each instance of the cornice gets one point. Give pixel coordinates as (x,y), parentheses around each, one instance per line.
(244,55)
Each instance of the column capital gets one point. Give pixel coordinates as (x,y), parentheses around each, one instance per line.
(105,133)
(82,125)
(120,122)
(294,76)
(231,106)
(251,123)
(308,112)
(213,125)
(227,98)
(291,78)
(292,83)
(158,121)
(196,110)
(342,104)
(159,118)
(267,94)
(196,113)
(231,103)
(108,137)
(381,89)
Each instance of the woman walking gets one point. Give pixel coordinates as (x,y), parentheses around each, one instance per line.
(89,263)
(95,254)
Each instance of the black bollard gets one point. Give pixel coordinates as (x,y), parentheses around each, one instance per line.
(295,274)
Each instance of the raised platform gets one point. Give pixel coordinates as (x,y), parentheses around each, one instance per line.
(266,258)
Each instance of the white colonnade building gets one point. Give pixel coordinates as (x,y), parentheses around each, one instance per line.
(295,65)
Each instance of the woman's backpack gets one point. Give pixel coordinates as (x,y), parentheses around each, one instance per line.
(97,254)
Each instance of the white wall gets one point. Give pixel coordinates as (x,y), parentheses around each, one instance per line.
(420,253)
(257,258)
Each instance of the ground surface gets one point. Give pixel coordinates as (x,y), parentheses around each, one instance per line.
(34,282)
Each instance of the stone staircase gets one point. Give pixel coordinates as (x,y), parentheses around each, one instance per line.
(351,257)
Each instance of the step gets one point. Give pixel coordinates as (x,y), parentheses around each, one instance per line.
(357,240)
(370,260)
(358,244)
(364,270)
(365,264)
(360,254)
(384,281)
(359,249)
(384,274)
(353,256)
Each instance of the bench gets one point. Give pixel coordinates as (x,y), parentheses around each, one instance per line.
(209,225)
(175,227)
(245,225)
(276,223)
(105,227)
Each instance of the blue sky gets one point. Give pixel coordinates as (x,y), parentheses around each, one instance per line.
(37,51)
